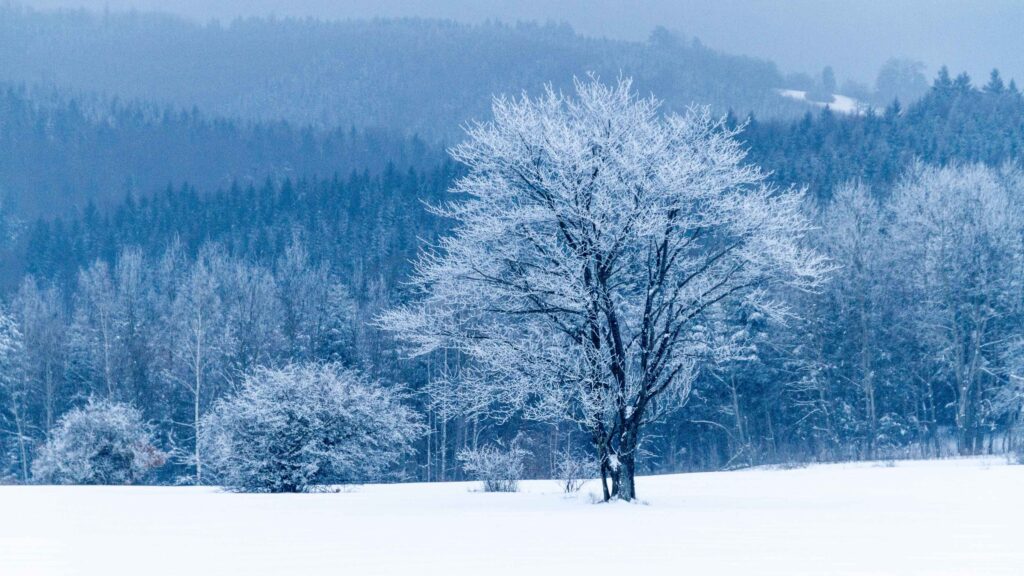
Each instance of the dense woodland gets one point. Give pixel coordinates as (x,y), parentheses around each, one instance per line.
(65,152)
(158,258)
(418,76)
(956,121)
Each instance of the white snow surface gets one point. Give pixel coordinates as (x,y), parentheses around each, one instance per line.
(840,103)
(934,518)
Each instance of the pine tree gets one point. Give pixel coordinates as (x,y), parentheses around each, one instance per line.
(995,83)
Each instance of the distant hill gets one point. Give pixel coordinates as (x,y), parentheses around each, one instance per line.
(60,153)
(421,77)
(371,224)
(955,122)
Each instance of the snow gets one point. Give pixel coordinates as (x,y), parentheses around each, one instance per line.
(839,103)
(952,517)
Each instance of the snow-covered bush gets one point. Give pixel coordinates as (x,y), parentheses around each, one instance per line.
(573,470)
(499,468)
(102,442)
(298,428)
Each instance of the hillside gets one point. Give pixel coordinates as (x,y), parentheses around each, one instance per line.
(914,518)
(422,77)
(61,152)
(955,122)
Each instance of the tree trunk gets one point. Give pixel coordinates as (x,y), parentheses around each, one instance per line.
(627,477)
(599,439)
(964,440)
(625,460)
(443,448)
(22,447)
(741,433)
(430,442)
(604,480)
(197,398)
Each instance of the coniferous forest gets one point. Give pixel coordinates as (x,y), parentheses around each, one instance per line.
(171,234)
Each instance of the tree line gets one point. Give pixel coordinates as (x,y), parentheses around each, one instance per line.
(955,121)
(169,336)
(911,348)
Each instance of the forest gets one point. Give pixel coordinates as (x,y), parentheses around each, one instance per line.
(163,247)
(416,76)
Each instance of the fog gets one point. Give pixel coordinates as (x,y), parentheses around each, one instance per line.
(855,38)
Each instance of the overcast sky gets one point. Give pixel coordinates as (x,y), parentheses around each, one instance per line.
(853,36)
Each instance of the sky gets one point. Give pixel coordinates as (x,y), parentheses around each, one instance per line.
(855,37)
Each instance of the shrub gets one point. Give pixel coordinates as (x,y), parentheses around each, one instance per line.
(101,443)
(499,468)
(573,470)
(301,427)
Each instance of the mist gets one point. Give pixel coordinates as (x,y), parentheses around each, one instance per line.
(855,38)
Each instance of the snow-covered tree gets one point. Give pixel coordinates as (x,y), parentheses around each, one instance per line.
(15,393)
(198,342)
(107,340)
(961,262)
(852,235)
(136,322)
(39,313)
(93,341)
(301,427)
(102,442)
(1009,401)
(252,312)
(594,236)
(316,308)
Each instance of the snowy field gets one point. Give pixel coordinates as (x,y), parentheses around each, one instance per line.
(955,517)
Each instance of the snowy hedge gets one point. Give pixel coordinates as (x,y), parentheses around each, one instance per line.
(304,426)
(101,443)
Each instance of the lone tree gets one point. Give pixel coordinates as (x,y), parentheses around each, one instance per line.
(595,242)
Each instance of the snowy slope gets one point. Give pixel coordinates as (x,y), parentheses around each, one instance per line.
(955,517)
(839,103)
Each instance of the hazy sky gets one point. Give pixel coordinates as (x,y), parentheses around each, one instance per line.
(853,36)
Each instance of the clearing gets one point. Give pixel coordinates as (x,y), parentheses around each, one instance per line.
(840,103)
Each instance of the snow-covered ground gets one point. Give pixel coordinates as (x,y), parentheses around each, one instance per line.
(839,103)
(954,517)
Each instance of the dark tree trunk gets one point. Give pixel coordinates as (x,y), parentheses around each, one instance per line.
(626,460)
(627,478)
(600,442)
(604,480)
